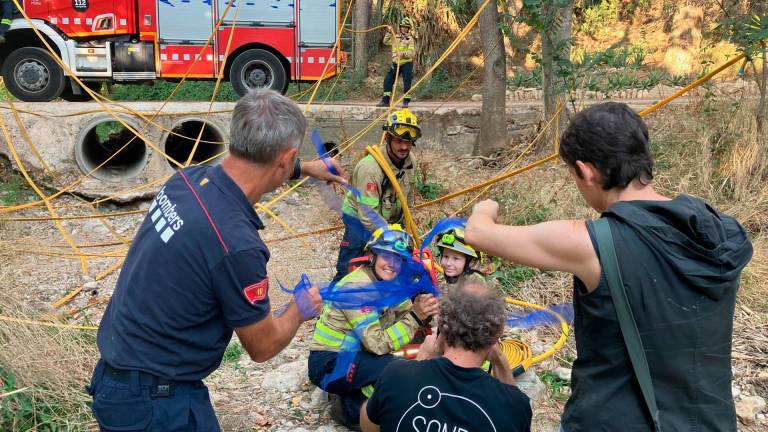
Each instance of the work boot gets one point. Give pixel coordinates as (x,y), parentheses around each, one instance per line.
(2,39)
(337,414)
(406,101)
(384,102)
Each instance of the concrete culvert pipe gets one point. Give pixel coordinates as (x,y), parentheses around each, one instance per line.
(179,143)
(107,144)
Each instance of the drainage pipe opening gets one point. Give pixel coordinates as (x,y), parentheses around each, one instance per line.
(110,149)
(179,143)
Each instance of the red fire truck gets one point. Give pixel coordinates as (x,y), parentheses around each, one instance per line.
(130,41)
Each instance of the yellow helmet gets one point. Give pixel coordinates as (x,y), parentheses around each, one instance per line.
(453,239)
(406,22)
(392,238)
(404,125)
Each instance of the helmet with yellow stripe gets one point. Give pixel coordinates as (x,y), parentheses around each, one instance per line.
(403,124)
(392,238)
(453,239)
(406,22)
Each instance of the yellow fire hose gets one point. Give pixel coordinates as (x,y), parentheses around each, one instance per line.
(518,354)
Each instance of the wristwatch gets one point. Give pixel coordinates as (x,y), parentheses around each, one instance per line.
(296,169)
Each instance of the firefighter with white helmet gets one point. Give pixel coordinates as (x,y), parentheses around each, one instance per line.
(381,331)
(403,53)
(376,191)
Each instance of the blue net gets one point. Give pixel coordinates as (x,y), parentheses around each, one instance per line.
(525,320)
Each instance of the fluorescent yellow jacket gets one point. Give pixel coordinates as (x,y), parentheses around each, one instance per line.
(388,329)
(403,48)
(376,191)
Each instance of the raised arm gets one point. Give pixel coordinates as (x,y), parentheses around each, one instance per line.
(562,245)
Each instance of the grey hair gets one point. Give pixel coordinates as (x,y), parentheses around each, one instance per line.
(264,124)
(472,317)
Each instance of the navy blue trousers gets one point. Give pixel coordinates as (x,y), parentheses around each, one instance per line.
(366,369)
(128,402)
(352,244)
(406,72)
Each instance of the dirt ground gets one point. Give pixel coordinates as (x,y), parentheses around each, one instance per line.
(276,395)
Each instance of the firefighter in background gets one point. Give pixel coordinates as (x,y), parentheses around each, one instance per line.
(376,192)
(7,18)
(457,259)
(380,331)
(403,53)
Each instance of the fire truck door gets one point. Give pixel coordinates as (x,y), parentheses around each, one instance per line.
(185,21)
(318,23)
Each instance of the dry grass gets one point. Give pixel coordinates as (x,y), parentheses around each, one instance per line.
(52,364)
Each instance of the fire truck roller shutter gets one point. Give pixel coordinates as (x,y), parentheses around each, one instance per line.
(257,68)
(31,75)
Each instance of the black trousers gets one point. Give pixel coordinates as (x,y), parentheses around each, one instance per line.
(406,72)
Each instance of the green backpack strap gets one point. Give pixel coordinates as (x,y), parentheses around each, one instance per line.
(634,344)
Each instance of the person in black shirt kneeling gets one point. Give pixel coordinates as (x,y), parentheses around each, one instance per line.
(447,389)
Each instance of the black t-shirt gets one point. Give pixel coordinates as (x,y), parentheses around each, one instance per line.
(196,270)
(436,395)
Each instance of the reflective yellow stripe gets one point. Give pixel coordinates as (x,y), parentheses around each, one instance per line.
(398,334)
(367,391)
(5,21)
(368,200)
(361,318)
(327,336)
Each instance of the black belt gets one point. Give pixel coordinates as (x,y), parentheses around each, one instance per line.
(159,387)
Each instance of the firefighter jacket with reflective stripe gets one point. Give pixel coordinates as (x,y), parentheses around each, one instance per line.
(377,192)
(387,329)
(403,48)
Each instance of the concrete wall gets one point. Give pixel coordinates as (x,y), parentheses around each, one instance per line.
(56,127)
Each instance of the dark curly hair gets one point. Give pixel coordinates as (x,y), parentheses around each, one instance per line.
(472,317)
(613,138)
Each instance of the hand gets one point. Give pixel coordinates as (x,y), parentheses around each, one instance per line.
(309,302)
(425,305)
(431,348)
(318,170)
(488,208)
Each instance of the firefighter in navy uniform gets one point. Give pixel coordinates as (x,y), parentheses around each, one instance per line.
(403,53)
(384,330)
(376,191)
(195,274)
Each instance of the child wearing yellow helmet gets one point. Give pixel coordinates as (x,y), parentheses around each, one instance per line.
(457,259)
(381,331)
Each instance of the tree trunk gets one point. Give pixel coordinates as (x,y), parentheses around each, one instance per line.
(555,48)
(360,48)
(493,124)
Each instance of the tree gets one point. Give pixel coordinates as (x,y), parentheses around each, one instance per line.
(493,123)
(552,20)
(749,32)
(360,19)
(556,63)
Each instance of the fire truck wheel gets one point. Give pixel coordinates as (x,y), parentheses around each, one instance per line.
(70,96)
(257,68)
(32,75)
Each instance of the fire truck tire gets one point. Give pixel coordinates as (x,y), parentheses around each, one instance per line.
(257,68)
(70,96)
(32,75)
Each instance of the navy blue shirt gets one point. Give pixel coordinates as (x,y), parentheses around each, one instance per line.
(196,270)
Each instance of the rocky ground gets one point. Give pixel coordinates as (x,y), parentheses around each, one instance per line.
(275,395)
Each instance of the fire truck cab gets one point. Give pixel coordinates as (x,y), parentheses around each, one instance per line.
(273,42)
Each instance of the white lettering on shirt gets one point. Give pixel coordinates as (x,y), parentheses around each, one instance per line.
(162,211)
